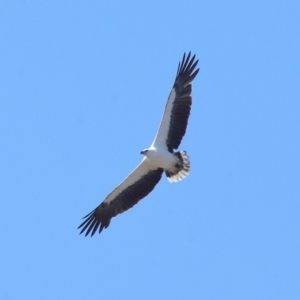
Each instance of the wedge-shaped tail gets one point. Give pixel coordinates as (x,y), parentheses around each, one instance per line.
(183,167)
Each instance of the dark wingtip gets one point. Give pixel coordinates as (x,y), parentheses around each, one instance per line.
(187,64)
(88,224)
(92,223)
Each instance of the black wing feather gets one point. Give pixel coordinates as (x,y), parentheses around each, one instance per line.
(183,101)
(102,215)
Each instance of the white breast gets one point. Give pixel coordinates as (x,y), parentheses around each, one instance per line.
(161,158)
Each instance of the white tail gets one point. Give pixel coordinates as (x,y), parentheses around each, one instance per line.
(183,167)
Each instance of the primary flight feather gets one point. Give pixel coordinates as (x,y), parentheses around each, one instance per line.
(158,158)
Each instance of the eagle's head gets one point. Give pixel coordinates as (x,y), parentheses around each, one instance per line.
(144,151)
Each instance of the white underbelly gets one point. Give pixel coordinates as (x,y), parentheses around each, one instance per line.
(163,159)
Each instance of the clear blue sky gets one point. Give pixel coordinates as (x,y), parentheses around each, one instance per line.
(83,86)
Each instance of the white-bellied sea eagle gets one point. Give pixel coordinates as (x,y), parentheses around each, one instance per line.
(158,158)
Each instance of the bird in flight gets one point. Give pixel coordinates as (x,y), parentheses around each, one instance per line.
(158,158)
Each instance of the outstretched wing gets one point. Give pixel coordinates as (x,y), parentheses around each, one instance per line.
(134,188)
(175,119)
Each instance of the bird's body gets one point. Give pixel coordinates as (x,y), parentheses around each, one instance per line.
(158,158)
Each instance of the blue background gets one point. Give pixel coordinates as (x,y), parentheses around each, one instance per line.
(83,86)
